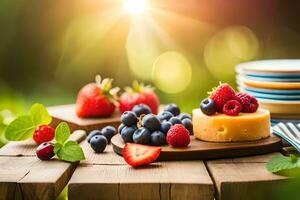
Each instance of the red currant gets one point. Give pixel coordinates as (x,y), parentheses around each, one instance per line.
(45,151)
(43,133)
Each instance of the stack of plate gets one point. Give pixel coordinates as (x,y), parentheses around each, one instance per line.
(276,84)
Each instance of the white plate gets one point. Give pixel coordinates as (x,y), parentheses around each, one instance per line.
(261,67)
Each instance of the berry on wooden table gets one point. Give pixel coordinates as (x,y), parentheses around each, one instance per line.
(175,120)
(173,108)
(45,151)
(129,118)
(98,143)
(232,108)
(165,116)
(151,122)
(127,133)
(184,116)
(109,132)
(141,109)
(178,136)
(165,126)
(92,134)
(43,133)
(187,123)
(121,127)
(139,155)
(142,136)
(158,138)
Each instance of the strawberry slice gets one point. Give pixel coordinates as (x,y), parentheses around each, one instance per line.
(138,155)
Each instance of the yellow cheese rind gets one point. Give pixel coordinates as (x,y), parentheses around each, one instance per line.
(224,128)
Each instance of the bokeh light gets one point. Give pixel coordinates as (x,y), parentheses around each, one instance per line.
(228,48)
(172,72)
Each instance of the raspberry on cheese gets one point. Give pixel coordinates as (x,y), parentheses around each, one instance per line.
(223,128)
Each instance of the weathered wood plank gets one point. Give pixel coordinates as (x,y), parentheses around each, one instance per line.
(244,178)
(108,157)
(28,147)
(163,180)
(67,113)
(13,169)
(26,177)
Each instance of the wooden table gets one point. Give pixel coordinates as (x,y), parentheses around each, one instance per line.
(107,176)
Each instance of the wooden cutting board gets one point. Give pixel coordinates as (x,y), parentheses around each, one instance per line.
(199,150)
(67,114)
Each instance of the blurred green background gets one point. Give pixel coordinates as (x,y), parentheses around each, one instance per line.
(49,49)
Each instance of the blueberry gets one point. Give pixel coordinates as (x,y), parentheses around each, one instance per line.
(188,125)
(121,127)
(129,118)
(173,108)
(127,133)
(92,134)
(165,126)
(208,106)
(98,143)
(165,115)
(175,120)
(158,138)
(108,132)
(184,116)
(141,109)
(142,136)
(151,122)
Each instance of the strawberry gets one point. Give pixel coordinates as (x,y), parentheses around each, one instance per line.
(223,93)
(97,99)
(139,94)
(139,155)
(178,136)
(248,102)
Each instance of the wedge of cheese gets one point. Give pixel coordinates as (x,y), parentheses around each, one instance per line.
(224,128)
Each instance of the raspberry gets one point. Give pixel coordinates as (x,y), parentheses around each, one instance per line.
(43,133)
(248,102)
(221,95)
(178,136)
(232,108)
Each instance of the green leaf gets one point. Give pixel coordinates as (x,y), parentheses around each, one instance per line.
(40,114)
(57,147)
(280,163)
(62,133)
(21,128)
(71,152)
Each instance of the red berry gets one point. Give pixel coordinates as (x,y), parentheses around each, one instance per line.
(178,136)
(249,103)
(221,95)
(232,108)
(139,155)
(139,94)
(43,133)
(45,151)
(96,100)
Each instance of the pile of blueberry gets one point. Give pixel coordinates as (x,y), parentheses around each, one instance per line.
(98,139)
(142,127)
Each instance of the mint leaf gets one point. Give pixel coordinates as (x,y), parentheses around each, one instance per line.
(71,152)
(21,128)
(40,114)
(62,133)
(280,163)
(57,147)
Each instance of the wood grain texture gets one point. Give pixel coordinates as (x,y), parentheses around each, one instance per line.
(108,157)
(199,150)
(24,176)
(67,114)
(162,180)
(28,147)
(244,178)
